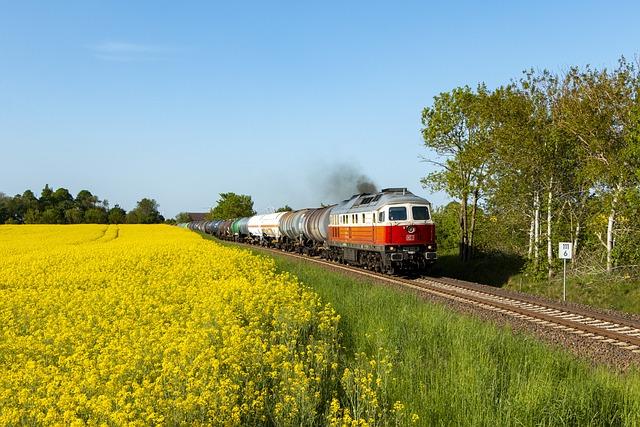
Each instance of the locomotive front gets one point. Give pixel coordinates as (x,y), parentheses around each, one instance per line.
(387,231)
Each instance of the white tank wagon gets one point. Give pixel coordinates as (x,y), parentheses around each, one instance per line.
(265,228)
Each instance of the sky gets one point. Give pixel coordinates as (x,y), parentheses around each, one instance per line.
(182,101)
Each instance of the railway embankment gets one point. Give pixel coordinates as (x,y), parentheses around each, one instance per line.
(473,368)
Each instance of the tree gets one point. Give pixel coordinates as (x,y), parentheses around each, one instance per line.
(456,127)
(132,217)
(231,205)
(46,197)
(62,199)
(117,215)
(183,217)
(50,215)
(285,208)
(597,109)
(85,200)
(95,216)
(146,212)
(4,208)
(74,216)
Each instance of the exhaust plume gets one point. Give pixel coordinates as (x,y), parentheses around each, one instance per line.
(343,181)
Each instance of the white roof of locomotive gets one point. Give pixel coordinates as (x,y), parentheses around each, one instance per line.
(388,196)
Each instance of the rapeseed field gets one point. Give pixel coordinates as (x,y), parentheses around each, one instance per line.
(140,324)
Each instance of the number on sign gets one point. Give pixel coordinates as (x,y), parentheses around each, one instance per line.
(565,251)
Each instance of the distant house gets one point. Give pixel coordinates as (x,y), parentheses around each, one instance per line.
(197,216)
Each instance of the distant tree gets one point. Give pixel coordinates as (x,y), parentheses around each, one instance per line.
(85,200)
(4,208)
(74,216)
(50,215)
(132,217)
(146,212)
(46,197)
(29,200)
(170,221)
(285,208)
(62,199)
(232,205)
(95,216)
(117,215)
(183,217)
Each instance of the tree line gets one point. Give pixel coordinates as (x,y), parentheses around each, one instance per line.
(60,207)
(543,159)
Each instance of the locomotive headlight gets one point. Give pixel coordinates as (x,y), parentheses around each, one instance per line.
(411,229)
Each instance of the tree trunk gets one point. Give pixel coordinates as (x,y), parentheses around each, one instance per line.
(536,227)
(576,240)
(464,228)
(474,210)
(549,235)
(611,225)
(530,249)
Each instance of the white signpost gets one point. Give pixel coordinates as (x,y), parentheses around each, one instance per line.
(565,252)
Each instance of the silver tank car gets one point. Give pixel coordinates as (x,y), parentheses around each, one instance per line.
(292,224)
(316,224)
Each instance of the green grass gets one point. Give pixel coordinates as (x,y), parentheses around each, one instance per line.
(613,291)
(455,370)
(452,369)
(617,291)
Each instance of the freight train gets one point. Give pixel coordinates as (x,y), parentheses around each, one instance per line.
(390,231)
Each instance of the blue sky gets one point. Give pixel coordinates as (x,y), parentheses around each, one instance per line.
(180,101)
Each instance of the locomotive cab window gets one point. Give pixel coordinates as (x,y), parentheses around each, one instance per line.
(420,213)
(397,214)
(381,216)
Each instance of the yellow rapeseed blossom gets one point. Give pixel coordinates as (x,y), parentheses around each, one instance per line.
(151,324)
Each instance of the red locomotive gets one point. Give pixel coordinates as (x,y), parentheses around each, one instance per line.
(388,231)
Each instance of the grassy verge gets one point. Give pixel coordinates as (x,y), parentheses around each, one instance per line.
(616,291)
(613,291)
(455,370)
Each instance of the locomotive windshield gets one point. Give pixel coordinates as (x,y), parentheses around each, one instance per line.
(420,213)
(397,214)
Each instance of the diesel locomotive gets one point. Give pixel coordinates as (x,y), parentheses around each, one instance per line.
(390,231)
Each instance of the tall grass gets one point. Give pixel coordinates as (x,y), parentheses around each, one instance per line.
(618,290)
(456,370)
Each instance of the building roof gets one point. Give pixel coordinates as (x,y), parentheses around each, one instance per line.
(197,216)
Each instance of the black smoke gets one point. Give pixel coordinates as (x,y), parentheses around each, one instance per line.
(343,181)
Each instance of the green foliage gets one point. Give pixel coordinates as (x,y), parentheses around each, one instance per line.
(447,219)
(95,216)
(183,217)
(285,208)
(231,205)
(146,212)
(132,217)
(543,159)
(117,215)
(60,207)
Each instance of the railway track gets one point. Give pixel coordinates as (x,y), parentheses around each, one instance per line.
(607,329)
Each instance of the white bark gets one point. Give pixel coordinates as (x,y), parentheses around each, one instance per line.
(576,240)
(549,236)
(610,226)
(536,226)
(531,230)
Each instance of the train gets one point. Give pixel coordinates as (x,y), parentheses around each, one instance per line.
(390,231)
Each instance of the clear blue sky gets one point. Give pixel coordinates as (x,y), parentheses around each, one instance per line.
(180,101)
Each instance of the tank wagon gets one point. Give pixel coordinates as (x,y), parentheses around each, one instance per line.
(389,231)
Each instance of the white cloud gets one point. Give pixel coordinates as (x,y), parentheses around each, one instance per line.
(127,52)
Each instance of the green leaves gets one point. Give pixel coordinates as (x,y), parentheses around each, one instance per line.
(232,205)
